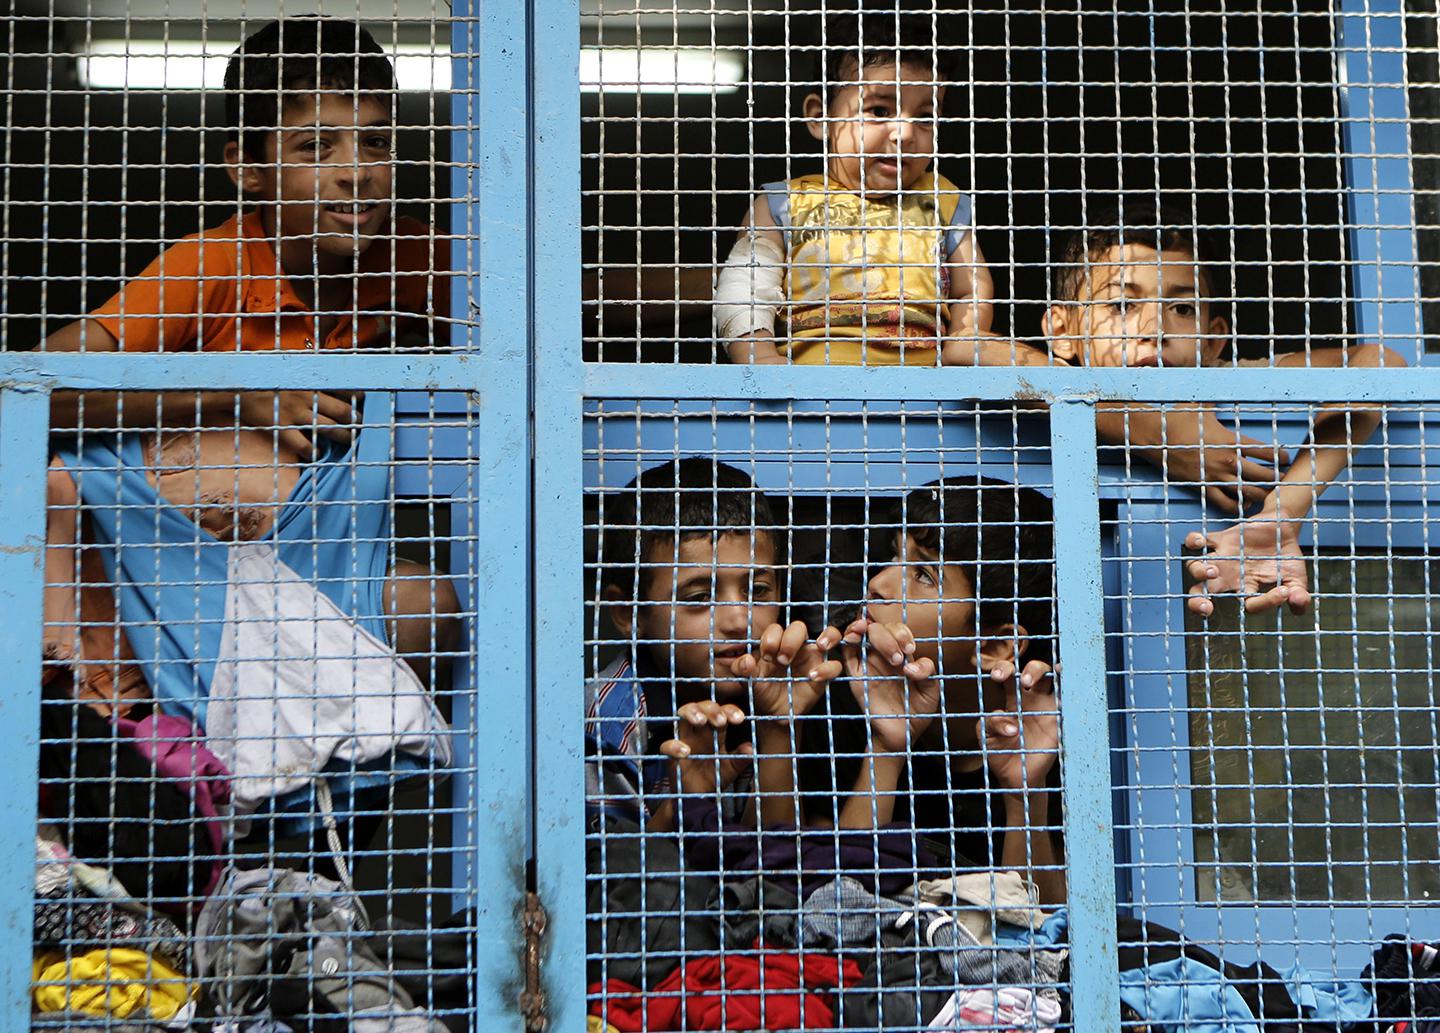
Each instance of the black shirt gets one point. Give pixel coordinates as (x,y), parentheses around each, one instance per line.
(960,813)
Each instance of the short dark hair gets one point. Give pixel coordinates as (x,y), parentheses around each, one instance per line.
(852,42)
(1001,535)
(687,498)
(1168,227)
(292,55)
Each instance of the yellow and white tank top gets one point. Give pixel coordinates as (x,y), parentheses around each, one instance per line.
(865,277)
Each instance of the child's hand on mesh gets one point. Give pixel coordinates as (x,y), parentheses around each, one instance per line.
(1261,551)
(898,691)
(1022,741)
(788,674)
(703,763)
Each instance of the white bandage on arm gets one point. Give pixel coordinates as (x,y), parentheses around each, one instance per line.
(749,294)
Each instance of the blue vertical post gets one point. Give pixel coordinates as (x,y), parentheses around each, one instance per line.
(24,429)
(1379,200)
(1084,718)
(559,521)
(464,216)
(493,148)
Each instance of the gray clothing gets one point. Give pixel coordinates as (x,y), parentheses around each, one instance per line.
(919,952)
(270,925)
(756,907)
(979,899)
(644,913)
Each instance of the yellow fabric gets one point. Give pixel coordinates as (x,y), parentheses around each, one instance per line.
(864,275)
(115,981)
(595,1024)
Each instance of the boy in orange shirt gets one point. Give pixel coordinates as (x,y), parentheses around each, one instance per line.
(319,262)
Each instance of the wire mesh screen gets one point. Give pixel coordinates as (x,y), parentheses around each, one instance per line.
(742,155)
(1074,186)
(806,645)
(255,727)
(123,138)
(257,750)
(1275,737)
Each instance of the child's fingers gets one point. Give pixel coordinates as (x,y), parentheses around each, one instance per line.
(883,643)
(1199,602)
(297,442)
(675,749)
(1002,672)
(1299,599)
(828,639)
(855,632)
(1038,675)
(825,672)
(709,712)
(1222,499)
(1255,493)
(999,726)
(854,663)
(1204,571)
(1264,450)
(1250,470)
(920,670)
(892,641)
(1261,602)
(344,435)
(334,407)
(770,642)
(792,641)
(1197,541)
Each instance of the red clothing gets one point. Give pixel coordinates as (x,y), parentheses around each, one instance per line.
(718,993)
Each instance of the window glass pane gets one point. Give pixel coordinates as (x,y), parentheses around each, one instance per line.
(1313,740)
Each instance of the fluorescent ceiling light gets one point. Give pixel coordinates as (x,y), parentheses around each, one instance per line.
(660,70)
(117,64)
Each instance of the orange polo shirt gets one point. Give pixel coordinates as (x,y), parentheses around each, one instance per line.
(223,290)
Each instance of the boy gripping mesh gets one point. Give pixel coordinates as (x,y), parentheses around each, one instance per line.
(874,261)
(692,580)
(944,630)
(1138,288)
(262,499)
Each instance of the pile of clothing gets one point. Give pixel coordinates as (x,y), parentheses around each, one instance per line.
(141,926)
(271,951)
(672,950)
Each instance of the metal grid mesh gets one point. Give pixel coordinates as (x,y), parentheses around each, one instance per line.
(257,755)
(255,734)
(1039,119)
(1272,780)
(1125,185)
(826,825)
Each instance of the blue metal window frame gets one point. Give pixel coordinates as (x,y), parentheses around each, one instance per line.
(517,174)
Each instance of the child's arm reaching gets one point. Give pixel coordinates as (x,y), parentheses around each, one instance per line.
(291,414)
(1189,444)
(789,675)
(750,290)
(901,697)
(1022,744)
(968,341)
(1264,549)
(702,763)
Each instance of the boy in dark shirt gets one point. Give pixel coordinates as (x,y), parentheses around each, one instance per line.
(968,754)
